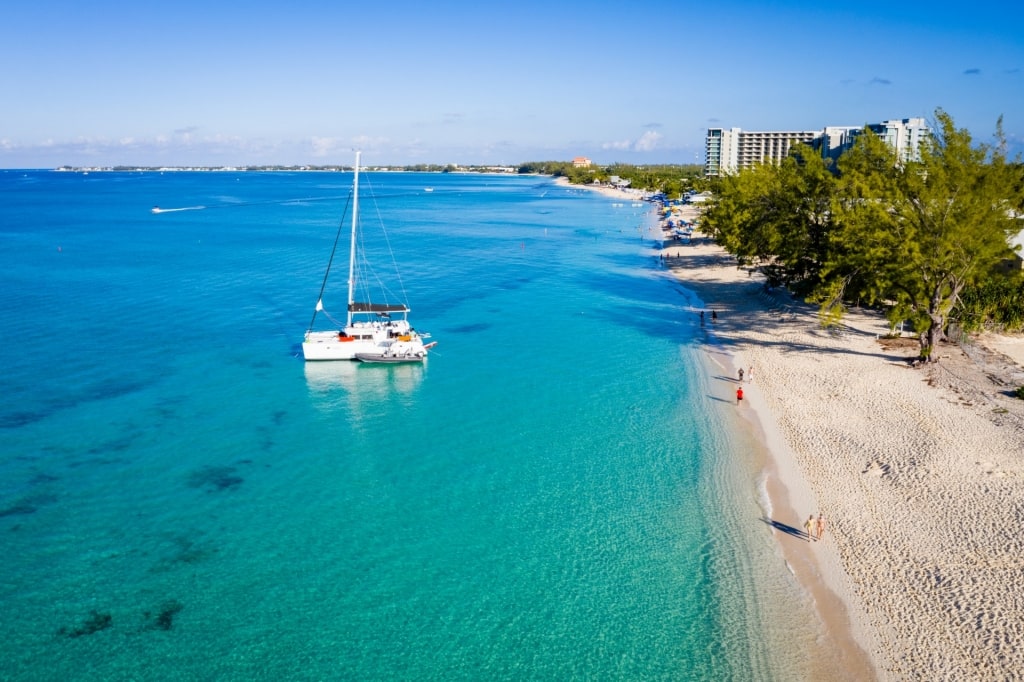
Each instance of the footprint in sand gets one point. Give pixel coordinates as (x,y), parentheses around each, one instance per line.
(876,468)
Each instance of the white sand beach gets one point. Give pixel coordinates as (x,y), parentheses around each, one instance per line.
(918,471)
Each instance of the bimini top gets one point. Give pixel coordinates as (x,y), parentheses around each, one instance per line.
(377,308)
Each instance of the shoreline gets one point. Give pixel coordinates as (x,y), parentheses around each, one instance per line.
(785,499)
(610,192)
(844,642)
(918,471)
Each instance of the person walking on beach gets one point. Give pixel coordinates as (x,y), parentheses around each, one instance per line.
(739,395)
(741,374)
(809,527)
(750,373)
(820,526)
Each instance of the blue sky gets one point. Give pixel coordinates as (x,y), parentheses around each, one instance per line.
(231,83)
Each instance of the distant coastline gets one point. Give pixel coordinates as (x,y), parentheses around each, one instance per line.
(424,168)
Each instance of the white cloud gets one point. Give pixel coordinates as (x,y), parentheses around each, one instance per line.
(648,141)
(645,143)
(325,146)
(333,146)
(367,142)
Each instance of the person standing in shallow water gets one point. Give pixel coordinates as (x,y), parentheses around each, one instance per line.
(809,527)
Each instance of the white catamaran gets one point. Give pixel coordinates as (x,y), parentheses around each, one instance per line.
(372,331)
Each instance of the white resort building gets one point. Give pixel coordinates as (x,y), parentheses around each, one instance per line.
(729,150)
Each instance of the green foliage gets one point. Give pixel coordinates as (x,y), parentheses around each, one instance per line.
(1019,392)
(916,234)
(913,236)
(779,216)
(671,179)
(556,168)
(998,303)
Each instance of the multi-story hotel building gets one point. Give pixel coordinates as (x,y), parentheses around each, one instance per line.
(729,150)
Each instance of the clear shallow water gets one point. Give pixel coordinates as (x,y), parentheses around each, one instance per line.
(552,496)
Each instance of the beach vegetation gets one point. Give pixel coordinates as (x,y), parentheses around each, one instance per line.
(997,304)
(919,232)
(910,235)
(779,218)
(671,179)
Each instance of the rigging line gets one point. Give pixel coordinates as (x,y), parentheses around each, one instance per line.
(330,261)
(367,275)
(404,296)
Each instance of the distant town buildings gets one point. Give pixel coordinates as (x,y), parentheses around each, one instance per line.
(729,150)
(581,162)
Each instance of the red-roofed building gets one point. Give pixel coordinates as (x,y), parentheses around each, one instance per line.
(581,162)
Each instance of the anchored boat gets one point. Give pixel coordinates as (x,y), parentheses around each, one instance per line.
(370,328)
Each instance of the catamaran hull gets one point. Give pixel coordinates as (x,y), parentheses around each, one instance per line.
(320,346)
(328,346)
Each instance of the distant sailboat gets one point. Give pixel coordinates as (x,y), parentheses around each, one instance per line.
(370,329)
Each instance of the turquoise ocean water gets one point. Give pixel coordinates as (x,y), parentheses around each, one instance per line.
(557,494)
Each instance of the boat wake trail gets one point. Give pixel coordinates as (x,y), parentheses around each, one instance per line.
(281,202)
(157,209)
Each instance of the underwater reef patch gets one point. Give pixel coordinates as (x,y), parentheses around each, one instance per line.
(164,618)
(28,505)
(215,478)
(21,507)
(94,623)
(186,551)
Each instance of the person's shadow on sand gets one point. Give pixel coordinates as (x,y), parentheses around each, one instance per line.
(789,530)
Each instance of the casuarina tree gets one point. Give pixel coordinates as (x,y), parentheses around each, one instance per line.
(912,233)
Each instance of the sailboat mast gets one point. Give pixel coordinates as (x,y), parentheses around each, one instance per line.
(352,247)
